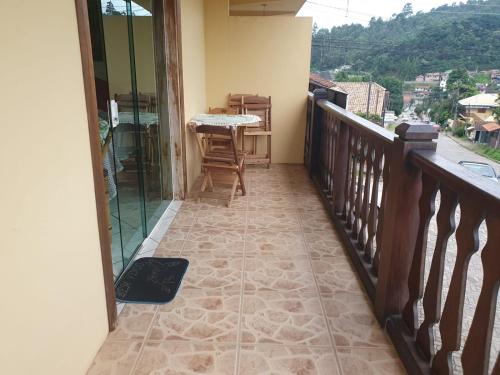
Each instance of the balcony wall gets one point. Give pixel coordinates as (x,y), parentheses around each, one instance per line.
(258,55)
(53,313)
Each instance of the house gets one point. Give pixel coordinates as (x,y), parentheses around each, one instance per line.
(487,133)
(480,105)
(364,97)
(99,166)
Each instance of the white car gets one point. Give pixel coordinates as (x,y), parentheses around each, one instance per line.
(481,169)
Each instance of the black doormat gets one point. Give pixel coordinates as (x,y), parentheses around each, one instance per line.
(151,280)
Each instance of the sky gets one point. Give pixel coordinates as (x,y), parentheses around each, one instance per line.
(333,12)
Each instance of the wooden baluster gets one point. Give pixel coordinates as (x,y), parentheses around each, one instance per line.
(341,168)
(380,213)
(352,188)
(432,295)
(451,321)
(332,158)
(359,193)
(496,369)
(476,354)
(366,197)
(416,278)
(372,216)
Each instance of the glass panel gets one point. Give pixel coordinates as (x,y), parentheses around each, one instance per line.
(149,114)
(128,205)
(109,166)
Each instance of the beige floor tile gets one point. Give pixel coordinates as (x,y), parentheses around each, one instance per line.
(275,243)
(287,360)
(334,274)
(324,243)
(213,273)
(115,358)
(134,322)
(186,359)
(221,218)
(198,316)
(316,220)
(278,201)
(184,218)
(309,202)
(352,321)
(285,220)
(283,318)
(279,274)
(215,241)
(370,361)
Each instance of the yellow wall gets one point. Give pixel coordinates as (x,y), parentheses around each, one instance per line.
(117,54)
(193,59)
(52,309)
(265,55)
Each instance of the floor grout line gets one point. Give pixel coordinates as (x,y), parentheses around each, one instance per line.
(242,292)
(144,342)
(325,317)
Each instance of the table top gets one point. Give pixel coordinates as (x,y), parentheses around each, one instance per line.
(225,120)
(145,118)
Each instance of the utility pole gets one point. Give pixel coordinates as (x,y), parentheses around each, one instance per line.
(369,97)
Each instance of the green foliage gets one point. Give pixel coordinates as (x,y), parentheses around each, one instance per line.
(490,152)
(450,36)
(418,110)
(458,131)
(395,87)
(373,117)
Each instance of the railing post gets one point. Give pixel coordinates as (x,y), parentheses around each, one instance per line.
(341,169)
(401,218)
(315,135)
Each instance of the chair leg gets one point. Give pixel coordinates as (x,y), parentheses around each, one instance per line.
(233,190)
(242,183)
(210,182)
(205,181)
(269,151)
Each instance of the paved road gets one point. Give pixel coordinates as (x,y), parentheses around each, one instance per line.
(453,151)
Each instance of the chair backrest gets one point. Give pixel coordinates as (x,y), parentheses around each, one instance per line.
(236,101)
(259,106)
(204,132)
(222,111)
(126,102)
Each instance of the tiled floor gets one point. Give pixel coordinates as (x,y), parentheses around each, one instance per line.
(268,291)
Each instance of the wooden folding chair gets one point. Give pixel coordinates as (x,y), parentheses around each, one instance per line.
(217,141)
(235,101)
(259,106)
(224,161)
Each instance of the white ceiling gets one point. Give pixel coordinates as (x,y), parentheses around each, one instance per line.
(264,7)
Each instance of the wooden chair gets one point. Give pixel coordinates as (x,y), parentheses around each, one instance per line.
(217,141)
(229,161)
(235,101)
(259,106)
(126,102)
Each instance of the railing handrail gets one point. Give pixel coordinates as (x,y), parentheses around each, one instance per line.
(358,122)
(455,176)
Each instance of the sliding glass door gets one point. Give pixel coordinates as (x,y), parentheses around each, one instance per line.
(125,64)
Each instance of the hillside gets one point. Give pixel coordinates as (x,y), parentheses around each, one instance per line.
(448,37)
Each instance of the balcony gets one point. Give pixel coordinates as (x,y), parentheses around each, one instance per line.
(269,289)
(377,256)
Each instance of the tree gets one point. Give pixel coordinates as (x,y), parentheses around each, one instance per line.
(395,88)
(418,110)
(407,10)
(110,9)
(496,112)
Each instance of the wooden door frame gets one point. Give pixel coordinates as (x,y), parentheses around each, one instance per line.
(176,120)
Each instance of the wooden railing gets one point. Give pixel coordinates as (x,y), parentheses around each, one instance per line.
(381,190)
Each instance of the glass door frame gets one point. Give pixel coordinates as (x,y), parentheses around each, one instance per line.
(173,59)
